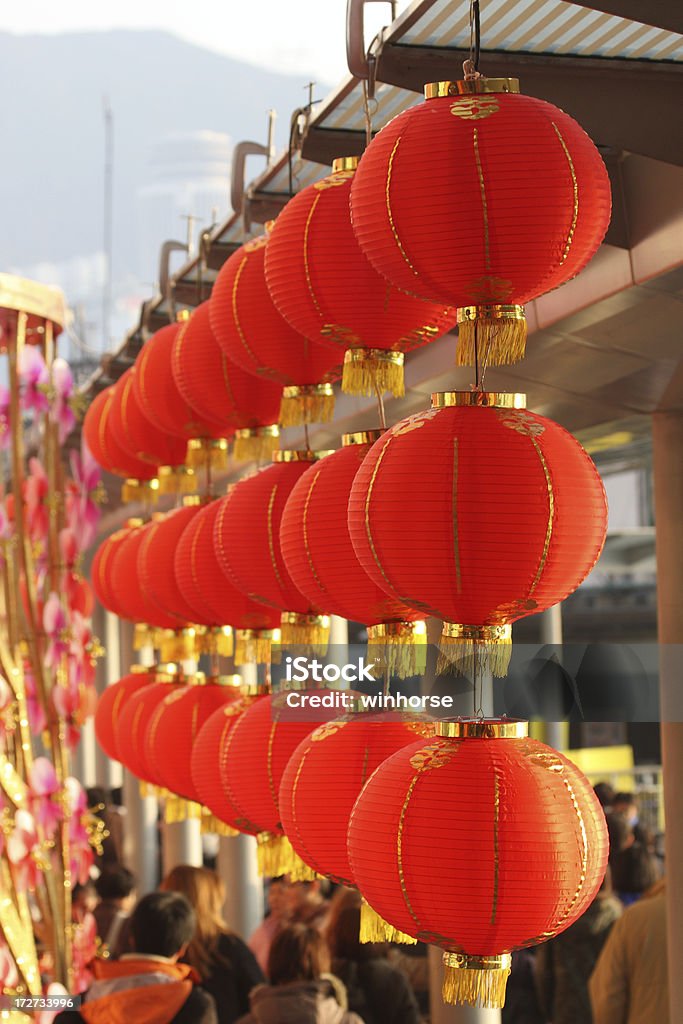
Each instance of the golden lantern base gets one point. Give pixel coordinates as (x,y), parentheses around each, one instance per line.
(466,650)
(140,490)
(207,453)
(311,632)
(177,808)
(254,646)
(177,480)
(373,371)
(374,928)
(215,640)
(178,644)
(399,648)
(256,444)
(476,980)
(213,825)
(276,856)
(307,403)
(492,335)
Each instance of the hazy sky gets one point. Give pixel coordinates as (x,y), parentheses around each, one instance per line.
(300,36)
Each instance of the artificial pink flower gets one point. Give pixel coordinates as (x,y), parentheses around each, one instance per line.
(82,511)
(61,412)
(9,976)
(43,788)
(82,855)
(36,712)
(35,495)
(68,547)
(21,844)
(34,379)
(55,626)
(5,428)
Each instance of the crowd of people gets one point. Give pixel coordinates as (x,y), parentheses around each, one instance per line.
(170,957)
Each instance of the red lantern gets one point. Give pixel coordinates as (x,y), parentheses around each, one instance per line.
(110,706)
(516,201)
(110,455)
(481,841)
(247,540)
(79,594)
(131,727)
(156,562)
(478,513)
(136,434)
(320,559)
(328,770)
(215,600)
(101,570)
(131,600)
(209,754)
(324,285)
(222,391)
(173,729)
(258,748)
(253,334)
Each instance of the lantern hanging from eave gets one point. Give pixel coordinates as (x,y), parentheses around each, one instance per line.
(140,476)
(139,436)
(221,390)
(325,286)
(131,727)
(319,555)
(479,513)
(480,841)
(111,703)
(252,333)
(216,601)
(209,753)
(327,771)
(484,199)
(172,731)
(258,748)
(247,541)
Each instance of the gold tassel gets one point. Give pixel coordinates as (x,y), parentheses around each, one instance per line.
(147,789)
(475,980)
(309,403)
(178,644)
(215,640)
(177,808)
(211,824)
(312,632)
(399,648)
(143,636)
(371,370)
(276,856)
(499,333)
(254,646)
(207,451)
(257,444)
(140,490)
(177,480)
(374,928)
(466,649)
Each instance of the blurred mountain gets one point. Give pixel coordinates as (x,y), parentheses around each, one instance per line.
(52,131)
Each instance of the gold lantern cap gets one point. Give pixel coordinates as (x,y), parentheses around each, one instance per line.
(345,163)
(482,728)
(361,437)
(300,455)
(468,86)
(483,399)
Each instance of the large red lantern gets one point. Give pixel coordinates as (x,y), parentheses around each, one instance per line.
(215,600)
(173,729)
(221,390)
(516,201)
(320,559)
(328,770)
(258,748)
(479,513)
(136,605)
(110,707)
(324,284)
(156,562)
(100,571)
(136,434)
(247,540)
(99,437)
(480,841)
(131,726)
(209,754)
(253,334)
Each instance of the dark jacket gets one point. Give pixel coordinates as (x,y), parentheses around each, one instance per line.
(300,1002)
(378,992)
(143,990)
(565,963)
(235,973)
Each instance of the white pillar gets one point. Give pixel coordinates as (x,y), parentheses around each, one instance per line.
(556,733)
(84,765)
(667,437)
(244,903)
(182,844)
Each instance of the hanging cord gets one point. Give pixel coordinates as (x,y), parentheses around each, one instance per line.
(476,680)
(298,133)
(471,66)
(380,406)
(307,439)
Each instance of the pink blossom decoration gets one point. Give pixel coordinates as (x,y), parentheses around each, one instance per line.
(34,379)
(22,844)
(43,787)
(61,412)
(55,626)
(82,511)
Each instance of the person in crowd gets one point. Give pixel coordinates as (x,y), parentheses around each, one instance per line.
(301,990)
(116,890)
(620,834)
(149,985)
(307,903)
(261,939)
(634,870)
(377,991)
(565,963)
(112,843)
(521,1002)
(626,804)
(605,794)
(630,983)
(226,966)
